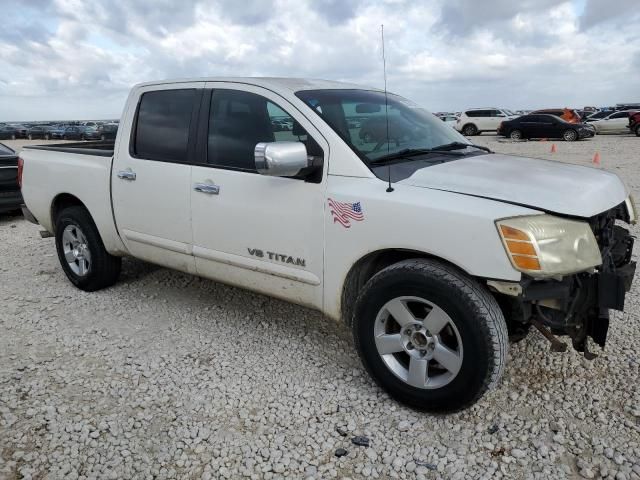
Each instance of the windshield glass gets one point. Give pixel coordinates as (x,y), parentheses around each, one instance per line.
(358,116)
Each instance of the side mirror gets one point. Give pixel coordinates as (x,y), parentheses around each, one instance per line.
(280,159)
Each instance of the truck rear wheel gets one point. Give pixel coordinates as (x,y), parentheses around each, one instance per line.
(81,252)
(431,336)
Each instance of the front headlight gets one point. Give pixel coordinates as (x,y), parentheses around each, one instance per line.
(547,246)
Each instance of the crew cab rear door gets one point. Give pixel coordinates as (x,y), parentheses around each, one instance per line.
(151,175)
(259,232)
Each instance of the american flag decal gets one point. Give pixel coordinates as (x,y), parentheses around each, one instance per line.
(344,213)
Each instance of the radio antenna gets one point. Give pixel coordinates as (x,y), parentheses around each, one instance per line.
(386,107)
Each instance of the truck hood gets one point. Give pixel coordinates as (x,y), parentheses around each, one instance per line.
(542,184)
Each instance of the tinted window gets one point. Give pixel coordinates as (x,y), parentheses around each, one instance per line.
(162,130)
(239,120)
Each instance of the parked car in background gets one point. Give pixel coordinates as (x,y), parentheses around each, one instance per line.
(57,131)
(107,131)
(92,124)
(567,114)
(634,123)
(21,130)
(37,131)
(7,132)
(90,133)
(280,126)
(450,120)
(598,115)
(543,126)
(10,197)
(478,120)
(73,133)
(617,122)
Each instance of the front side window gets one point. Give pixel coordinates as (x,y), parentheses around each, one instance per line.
(359,117)
(239,120)
(162,128)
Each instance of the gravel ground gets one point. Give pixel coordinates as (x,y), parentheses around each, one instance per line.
(171,376)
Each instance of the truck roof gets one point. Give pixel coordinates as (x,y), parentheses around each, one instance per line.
(272,83)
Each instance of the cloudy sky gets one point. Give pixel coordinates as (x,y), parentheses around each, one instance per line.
(67,59)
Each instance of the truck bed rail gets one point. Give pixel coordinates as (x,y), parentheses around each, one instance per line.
(102,149)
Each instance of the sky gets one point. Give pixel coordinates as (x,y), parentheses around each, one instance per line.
(77,59)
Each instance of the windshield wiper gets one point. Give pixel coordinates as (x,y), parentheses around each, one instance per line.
(459,146)
(448,149)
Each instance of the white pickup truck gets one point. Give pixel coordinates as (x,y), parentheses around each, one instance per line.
(433,250)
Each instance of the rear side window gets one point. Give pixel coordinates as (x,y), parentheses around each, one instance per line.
(162,128)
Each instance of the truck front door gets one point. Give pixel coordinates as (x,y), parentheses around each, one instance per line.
(151,177)
(258,232)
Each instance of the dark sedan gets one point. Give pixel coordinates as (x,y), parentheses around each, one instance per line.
(73,133)
(7,132)
(39,132)
(108,131)
(543,126)
(10,197)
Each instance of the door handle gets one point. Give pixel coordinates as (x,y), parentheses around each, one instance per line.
(127,174)
(209,188)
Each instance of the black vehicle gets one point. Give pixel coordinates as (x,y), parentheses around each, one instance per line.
(73,133)
(21,130)
(90,133)
(543,126)
(10,196)
(7,132)
(39,131)
(107,131)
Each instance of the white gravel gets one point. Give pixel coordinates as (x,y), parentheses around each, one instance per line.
(171,376)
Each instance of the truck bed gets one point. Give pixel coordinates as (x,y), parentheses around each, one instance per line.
(103,149)
(78,171)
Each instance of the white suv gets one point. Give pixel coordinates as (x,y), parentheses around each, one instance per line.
(478,120)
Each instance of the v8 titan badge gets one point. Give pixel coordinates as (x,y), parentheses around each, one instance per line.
(344,213)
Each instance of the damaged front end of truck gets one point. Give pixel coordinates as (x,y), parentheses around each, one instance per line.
(576,305)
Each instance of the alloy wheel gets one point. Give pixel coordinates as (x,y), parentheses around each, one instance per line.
(76,250)
(418,342)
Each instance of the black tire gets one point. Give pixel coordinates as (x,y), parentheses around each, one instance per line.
(638,131)
(472,309)
(470,130)
(570,135)
(104,268)
(516,134)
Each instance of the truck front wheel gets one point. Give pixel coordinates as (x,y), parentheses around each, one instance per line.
(81,252)
(432,337)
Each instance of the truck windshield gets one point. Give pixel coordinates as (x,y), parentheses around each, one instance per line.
(358,116)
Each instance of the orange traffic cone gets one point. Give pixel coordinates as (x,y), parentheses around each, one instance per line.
(553,148)
(596,158)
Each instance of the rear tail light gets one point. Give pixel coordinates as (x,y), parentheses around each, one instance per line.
(20,169)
